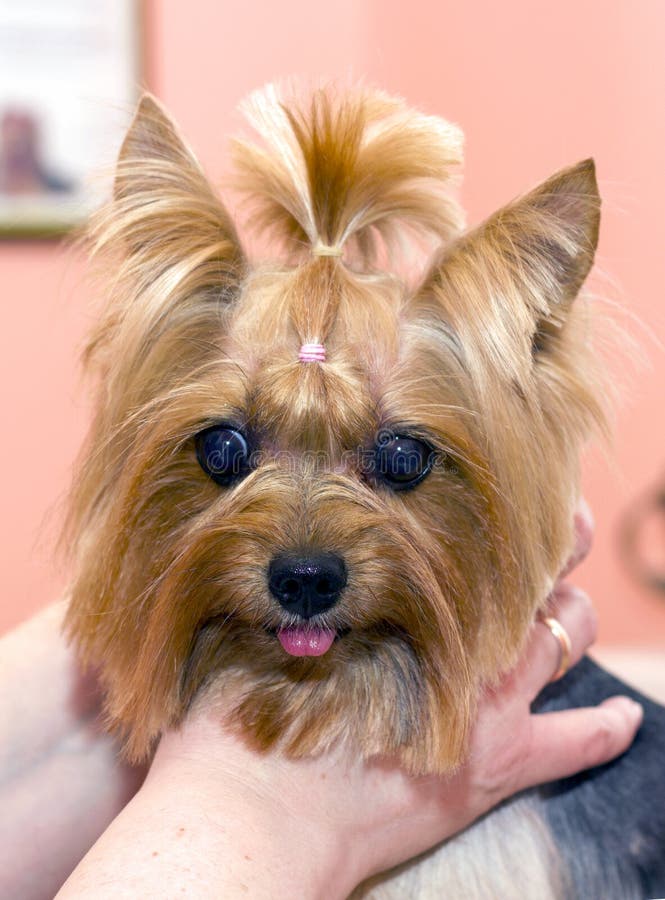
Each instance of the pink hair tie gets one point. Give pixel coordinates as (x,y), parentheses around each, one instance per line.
(312,353)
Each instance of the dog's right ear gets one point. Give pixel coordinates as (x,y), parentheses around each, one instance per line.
(164,210)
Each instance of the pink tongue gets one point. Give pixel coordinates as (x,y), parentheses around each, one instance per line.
(306,641)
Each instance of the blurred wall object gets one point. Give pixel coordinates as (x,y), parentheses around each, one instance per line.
(642,539)
(69,71)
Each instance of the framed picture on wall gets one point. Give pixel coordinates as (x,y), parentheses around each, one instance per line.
(70,73)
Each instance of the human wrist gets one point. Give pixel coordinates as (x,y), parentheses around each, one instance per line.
(272,830)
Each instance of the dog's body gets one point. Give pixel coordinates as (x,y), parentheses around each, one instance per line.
(331,502)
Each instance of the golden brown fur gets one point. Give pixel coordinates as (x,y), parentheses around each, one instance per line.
(486,361)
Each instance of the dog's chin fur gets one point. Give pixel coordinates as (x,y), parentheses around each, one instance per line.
(486,361)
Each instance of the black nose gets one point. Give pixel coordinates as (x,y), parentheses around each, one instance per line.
(307,585)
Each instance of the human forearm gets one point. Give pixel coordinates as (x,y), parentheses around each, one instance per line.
(215,819)
(60,781)
(53,698)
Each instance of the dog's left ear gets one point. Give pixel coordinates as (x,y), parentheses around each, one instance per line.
(517,274)
(164,210)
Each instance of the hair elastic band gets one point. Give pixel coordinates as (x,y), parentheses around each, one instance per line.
(320,249)
(312,353)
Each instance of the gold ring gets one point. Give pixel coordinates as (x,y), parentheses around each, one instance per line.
(565,646)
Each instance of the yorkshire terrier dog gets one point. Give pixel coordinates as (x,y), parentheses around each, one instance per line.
(332,491)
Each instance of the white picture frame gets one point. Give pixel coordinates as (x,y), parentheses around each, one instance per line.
(70,74)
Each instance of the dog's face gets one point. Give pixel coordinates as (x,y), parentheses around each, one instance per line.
(338,548)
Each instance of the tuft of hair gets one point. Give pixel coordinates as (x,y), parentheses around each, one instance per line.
(347,169)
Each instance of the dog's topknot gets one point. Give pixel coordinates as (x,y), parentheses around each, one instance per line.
(336,166)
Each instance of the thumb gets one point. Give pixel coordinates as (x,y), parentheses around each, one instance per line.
(568,742)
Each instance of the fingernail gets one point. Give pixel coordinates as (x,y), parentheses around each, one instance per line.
(584,512)
(564,590)
(579,594)
(635,710)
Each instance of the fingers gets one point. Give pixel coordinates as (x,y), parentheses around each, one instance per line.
(568,742)
(573,610)
(584,528)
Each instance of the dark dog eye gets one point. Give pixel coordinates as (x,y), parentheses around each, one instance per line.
(223,453)
(403,461)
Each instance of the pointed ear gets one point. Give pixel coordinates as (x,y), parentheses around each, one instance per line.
(522,268)
(151,146)
(164,208)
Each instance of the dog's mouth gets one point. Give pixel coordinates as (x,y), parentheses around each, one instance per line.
(307,640)
(304,641)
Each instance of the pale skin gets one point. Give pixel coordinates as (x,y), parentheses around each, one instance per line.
(215,819)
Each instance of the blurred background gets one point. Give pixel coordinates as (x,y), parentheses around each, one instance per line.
(535,87)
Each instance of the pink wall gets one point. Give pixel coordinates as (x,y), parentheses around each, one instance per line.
(535,87)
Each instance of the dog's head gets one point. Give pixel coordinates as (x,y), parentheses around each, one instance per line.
(344,540)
